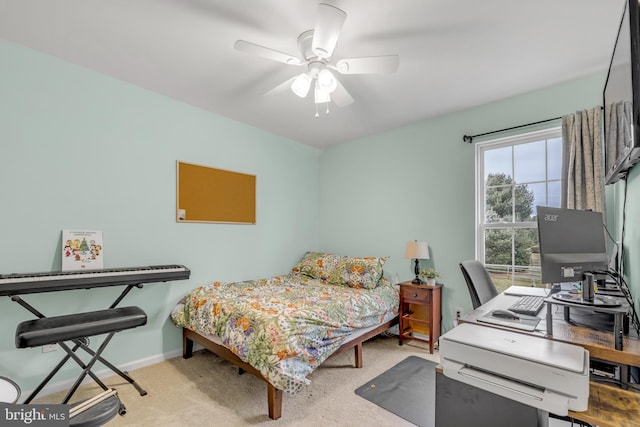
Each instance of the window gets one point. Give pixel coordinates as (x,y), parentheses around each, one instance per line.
(514,175)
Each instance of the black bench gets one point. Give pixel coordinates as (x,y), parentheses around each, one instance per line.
(76,328)
(50,330)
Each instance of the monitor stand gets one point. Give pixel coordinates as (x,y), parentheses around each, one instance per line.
(568,299)
(597,300)
(588,296)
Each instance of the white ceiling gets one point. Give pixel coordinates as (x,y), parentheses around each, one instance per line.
(454,54)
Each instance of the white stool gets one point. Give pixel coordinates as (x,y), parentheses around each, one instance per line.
(9,391)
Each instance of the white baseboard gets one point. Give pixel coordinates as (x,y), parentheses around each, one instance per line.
(56,387)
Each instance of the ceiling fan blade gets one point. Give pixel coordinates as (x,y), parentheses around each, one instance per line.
(266,52)
(282,87)
(340,96)
(368,65)
(327,30)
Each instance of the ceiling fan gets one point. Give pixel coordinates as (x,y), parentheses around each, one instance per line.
(316,49)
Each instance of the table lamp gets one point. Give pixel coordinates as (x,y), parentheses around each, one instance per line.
(417,250)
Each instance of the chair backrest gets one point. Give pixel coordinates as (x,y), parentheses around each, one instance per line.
(481,287)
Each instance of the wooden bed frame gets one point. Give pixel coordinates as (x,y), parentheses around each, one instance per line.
(274,395)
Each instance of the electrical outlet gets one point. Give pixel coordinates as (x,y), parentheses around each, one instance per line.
(458,314)
(49,347)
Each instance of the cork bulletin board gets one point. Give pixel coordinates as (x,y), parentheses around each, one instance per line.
(206,194)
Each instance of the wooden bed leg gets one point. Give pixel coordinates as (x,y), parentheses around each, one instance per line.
(274,399)
(358,355)
(187,345)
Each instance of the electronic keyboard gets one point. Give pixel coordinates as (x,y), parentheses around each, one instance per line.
(29,283)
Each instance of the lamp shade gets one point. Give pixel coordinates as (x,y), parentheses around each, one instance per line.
(301,84)
(327,81)
(417,250)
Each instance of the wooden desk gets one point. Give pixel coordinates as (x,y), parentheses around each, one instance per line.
(609,406)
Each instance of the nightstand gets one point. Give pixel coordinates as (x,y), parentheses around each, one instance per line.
(420,313)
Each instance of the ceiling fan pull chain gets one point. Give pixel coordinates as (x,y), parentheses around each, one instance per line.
(327,112)
(317,115)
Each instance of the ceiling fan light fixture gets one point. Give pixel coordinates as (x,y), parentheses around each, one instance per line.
(301,84)
(327,81)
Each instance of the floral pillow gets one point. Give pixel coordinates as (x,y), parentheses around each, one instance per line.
(317,265)
(358,272)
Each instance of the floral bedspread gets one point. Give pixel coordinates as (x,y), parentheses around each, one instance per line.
(285,326)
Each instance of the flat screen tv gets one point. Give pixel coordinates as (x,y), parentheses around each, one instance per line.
(621,98)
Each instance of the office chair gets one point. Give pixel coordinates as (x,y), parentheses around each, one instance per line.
(481,287)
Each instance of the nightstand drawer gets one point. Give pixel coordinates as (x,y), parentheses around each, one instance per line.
(416,295)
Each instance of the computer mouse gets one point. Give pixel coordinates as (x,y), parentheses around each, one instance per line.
(505,314)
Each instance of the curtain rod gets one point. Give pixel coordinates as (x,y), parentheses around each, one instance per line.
(469,138)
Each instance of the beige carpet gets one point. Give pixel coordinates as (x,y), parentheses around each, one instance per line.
(207,391)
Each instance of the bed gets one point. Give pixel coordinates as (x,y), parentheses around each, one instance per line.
(282,328)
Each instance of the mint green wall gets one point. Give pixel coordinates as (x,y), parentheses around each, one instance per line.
(632,235)
(417,182)
(82,151)
(632,227)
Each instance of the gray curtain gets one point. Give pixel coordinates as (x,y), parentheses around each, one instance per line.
(617,128)
(582,161)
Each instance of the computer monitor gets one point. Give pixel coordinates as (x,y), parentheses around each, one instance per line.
(573,249)
(572,243)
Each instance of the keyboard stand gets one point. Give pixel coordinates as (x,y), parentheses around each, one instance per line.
(76,328)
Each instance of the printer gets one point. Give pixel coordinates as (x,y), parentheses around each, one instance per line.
(549,375)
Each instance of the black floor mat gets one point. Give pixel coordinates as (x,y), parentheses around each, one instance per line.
(407,390)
